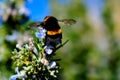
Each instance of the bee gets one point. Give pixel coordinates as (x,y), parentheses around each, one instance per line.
(53,30)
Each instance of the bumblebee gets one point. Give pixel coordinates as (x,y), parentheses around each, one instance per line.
(53,36)
(54,32)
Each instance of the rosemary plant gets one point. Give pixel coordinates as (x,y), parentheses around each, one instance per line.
(34,60)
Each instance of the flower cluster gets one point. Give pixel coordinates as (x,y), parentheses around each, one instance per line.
(34,60)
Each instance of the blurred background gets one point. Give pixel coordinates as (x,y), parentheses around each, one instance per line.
(93,50)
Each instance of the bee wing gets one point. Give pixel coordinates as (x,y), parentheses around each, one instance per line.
(67,21)
(35,25)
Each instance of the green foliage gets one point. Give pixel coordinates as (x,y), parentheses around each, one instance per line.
(34,60)
(13,27)
(83,58)
(94,47)
(31,66)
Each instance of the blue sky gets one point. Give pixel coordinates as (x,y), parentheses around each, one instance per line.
(38,9)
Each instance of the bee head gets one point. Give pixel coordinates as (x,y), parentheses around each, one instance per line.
(50,19)
(50,23)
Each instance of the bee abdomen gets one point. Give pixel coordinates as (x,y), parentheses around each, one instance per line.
(54,32)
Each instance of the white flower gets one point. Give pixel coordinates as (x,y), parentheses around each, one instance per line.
(17,70)
(48,51)
(12,37)
(22,73)
(40,35)
(44,61)
(24,10)
(42,30)
(52,64)
(14,77)
(14,12)
(18,46)
(35,51)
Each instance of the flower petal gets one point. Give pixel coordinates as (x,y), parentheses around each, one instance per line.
(52,64)
(48,51)
(14,77)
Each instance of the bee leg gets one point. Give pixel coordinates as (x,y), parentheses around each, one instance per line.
(58,43)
